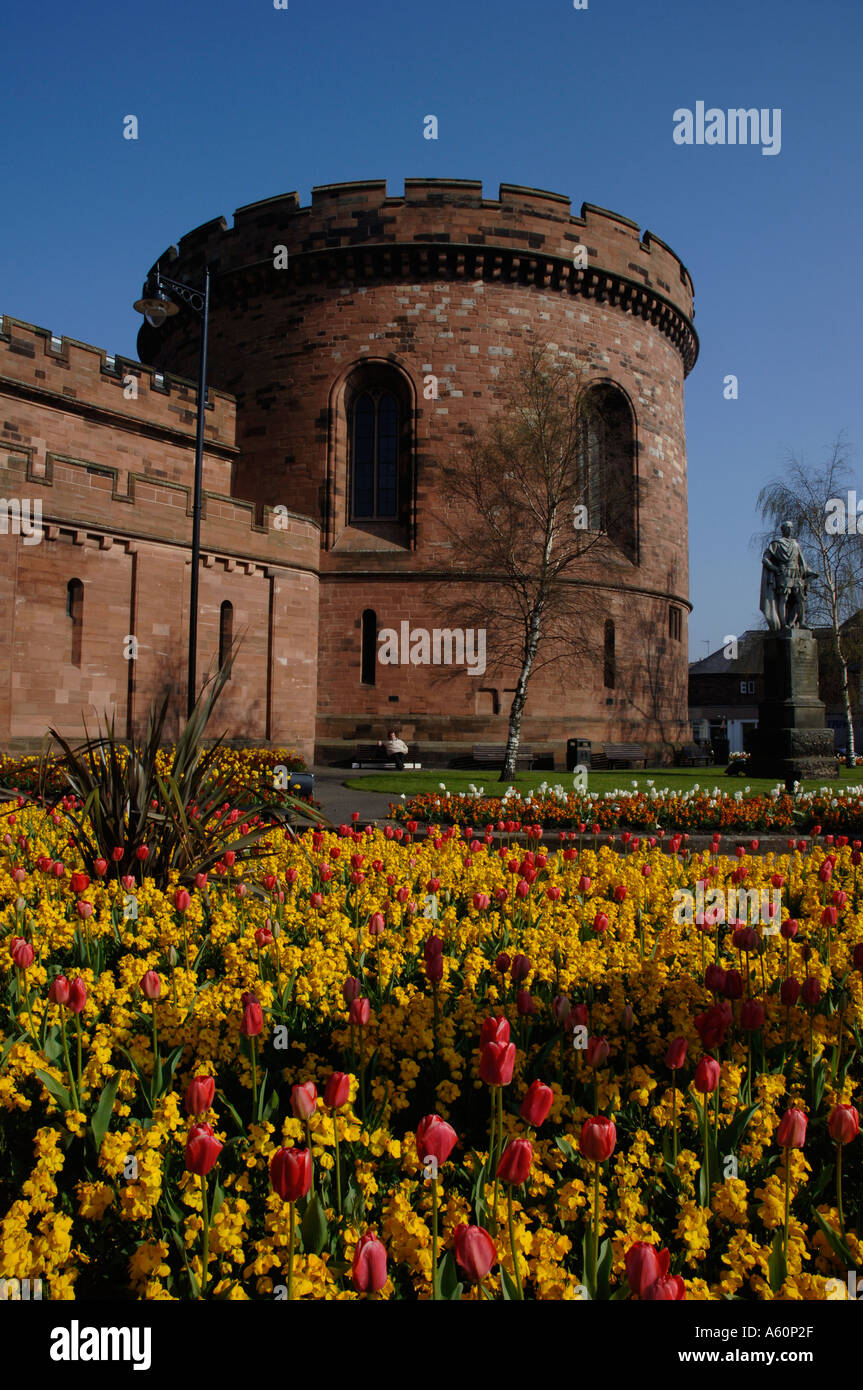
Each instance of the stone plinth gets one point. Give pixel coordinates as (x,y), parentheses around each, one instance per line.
(792,741)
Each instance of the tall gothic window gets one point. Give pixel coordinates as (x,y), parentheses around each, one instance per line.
(375,456)
(369,648)
(226,632)
(75,611)
(609,661)
(606,467)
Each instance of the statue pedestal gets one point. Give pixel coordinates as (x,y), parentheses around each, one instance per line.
(792,741)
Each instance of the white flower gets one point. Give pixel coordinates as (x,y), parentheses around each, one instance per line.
(442,786)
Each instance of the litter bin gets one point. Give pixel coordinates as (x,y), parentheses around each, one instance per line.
(577,753)
(302,784)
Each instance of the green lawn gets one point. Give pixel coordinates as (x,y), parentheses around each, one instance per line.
(674,779)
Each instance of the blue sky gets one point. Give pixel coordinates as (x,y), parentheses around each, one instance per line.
(238,101)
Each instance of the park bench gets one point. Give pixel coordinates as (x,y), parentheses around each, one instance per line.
(368,755)
(626,754)
(695,755)
(493,754)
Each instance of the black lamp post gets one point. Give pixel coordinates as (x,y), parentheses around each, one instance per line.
(156,304)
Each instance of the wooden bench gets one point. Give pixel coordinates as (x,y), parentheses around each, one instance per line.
(695,755)
(493,754)
(626,754)
(370,756)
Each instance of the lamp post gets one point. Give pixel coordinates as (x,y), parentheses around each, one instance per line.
(157,304)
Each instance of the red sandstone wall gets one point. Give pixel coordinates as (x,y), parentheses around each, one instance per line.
(114,480)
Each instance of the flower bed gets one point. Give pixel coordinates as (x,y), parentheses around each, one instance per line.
(320,1008)
(699,809)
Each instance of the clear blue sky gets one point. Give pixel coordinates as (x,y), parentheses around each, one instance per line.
(238,101)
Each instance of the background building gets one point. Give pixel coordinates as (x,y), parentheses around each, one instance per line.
(353,345)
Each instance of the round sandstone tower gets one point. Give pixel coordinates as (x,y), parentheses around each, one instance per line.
(363,338)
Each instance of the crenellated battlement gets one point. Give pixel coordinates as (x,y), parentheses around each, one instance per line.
(46,368)
(345,216)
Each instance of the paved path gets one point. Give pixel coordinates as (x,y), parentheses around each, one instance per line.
(338,801)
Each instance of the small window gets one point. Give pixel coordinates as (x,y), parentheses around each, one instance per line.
(226,633)
(487,702)
(75,614)
(609,662)
(370,642)
(675,624)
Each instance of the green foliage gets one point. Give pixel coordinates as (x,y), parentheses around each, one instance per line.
(114,798)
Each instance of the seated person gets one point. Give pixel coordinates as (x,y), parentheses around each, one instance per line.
(396,748)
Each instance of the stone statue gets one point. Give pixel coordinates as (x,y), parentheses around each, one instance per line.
(784,581)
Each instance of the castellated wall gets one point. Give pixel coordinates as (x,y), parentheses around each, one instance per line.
(442,282)
(112,466)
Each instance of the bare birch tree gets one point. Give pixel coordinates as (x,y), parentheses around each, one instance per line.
(814,500)
(521,512)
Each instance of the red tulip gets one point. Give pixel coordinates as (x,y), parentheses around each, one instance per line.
(291,1173)
(117,853)
(537,1103)
(350,989)
(520,968)
(494,1029)
(79,883)
(369,1267)
(182,899)
(525,1004)
(253,1016)
(435,1139)
(142,853)
(337,1090)
(59,991)
(263,938)
(789,991)
(843,1123)
(22,955)
(77,996)
(714,978)
(644,1265)
(515,1161)
(600,922)
(360,1012)
(733,988)
(751,1015)
(811,991)
(475,1251)
(151,985)
(202,1150)
(598,1138)
(597,1052)
(496,1062)
(670,1289)
(502,962)
(706,1077)
(676,1053)
(198,1095)
(791,1133)
(304,1100)
(376,924)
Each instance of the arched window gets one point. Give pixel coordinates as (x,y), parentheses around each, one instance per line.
(226,632)
(370,642)
(675,623)
(75,612)
(608,659)
(375,456)
(606,467)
